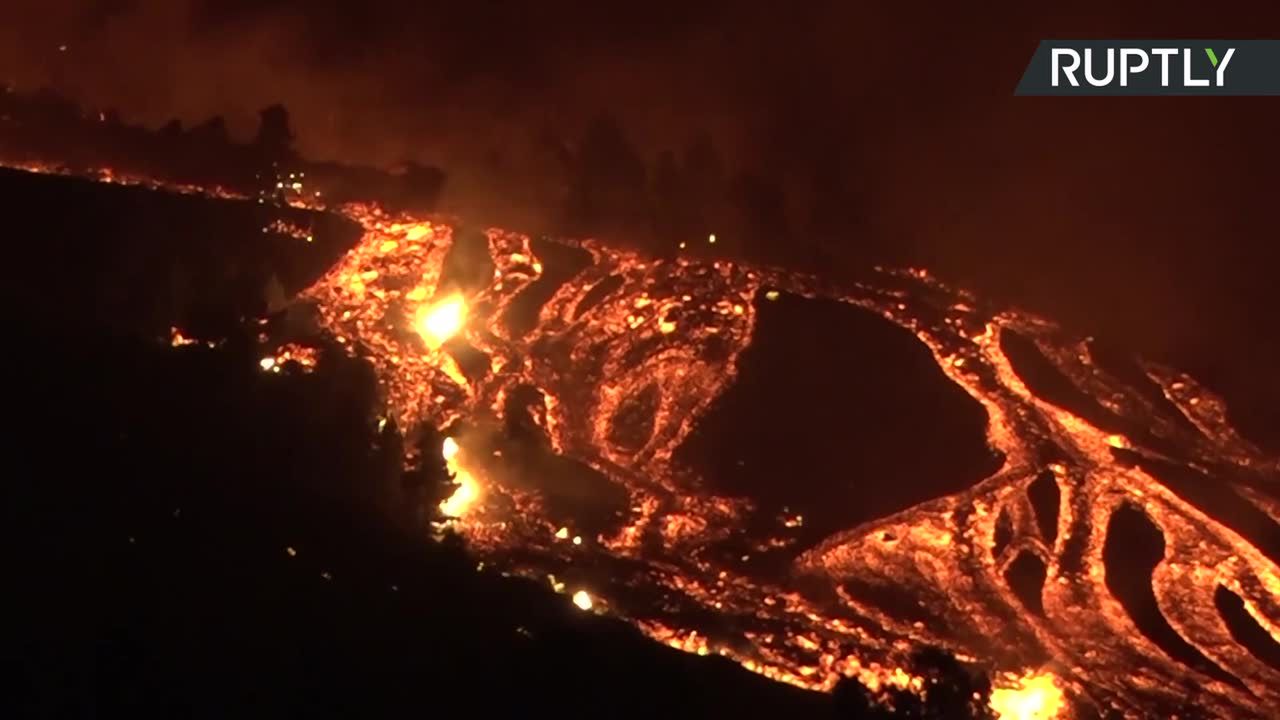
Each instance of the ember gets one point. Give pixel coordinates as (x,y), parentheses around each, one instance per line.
(177,339)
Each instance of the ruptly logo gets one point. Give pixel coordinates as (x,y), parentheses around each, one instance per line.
(1153,67)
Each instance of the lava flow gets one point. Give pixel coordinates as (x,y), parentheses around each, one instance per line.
(630,337)
(623,359)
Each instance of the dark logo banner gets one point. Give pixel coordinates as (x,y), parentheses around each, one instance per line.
(1153,67)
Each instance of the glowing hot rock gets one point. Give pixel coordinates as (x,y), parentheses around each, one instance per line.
(438,322)
(468,490)
(1034,696)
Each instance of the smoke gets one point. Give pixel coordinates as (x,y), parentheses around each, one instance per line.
(902,120)
(464,85)
(489,93)
(371,85)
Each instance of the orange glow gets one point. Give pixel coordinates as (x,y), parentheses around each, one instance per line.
(467,492)
(304,357)
(439,322)
(177,339)
(1034,696)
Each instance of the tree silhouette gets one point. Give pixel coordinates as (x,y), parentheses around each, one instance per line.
(950,692)
(427,482)
(275,136)
(211,133)
(761,208)
(608,191)
(171,130)
(704,189)
(670,221)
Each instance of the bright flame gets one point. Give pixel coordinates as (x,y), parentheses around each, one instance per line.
(1034,696)
(440,321)
(467,491)
(177,339)
(582,600)
(449,451)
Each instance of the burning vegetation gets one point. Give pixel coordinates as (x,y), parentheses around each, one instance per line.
(613,365)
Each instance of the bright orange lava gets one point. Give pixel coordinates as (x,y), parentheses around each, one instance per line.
(1034,696)
(647,336)
(669,332)
(438,322)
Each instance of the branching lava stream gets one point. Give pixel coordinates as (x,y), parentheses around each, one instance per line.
(664,336)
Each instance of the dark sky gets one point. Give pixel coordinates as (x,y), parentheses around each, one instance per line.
(382,81)
(1126,206)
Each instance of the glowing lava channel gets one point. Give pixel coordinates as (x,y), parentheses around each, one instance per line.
(674,330)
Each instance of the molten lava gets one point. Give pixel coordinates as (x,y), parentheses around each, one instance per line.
(650,335)
(440,321)
(1034,696)
(631,337)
